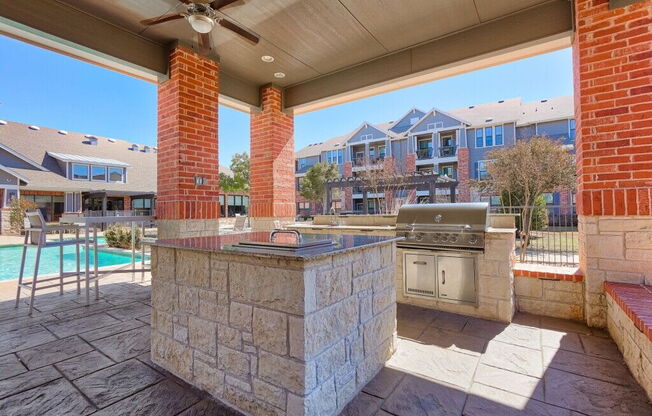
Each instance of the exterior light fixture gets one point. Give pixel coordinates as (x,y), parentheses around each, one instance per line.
(267,58)
(201,23)
(279,74)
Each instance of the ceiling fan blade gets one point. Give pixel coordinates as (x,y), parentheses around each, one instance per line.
(204,42)
(218,4)
(161,19)
(240,31)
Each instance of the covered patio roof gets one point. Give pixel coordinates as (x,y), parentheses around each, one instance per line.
(330,52)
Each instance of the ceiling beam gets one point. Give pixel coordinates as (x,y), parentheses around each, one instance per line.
(64,29)
(533,31)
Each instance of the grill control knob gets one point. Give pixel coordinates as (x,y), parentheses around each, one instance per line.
(453,238)
(473,239)
(418,237)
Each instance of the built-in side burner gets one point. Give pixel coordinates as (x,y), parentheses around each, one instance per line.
(286,242)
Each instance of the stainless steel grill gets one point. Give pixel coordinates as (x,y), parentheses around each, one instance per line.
(441,245)
(443,226)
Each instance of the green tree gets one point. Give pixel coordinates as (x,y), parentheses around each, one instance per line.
(313,185)
(522,173)
(239,182)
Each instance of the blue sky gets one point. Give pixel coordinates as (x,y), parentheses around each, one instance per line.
(47,89)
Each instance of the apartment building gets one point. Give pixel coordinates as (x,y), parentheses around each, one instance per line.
(453,143)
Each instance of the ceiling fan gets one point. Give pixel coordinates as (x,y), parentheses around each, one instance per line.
(202,16)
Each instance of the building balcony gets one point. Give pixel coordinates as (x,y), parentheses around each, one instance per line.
(423,154)
(447,151)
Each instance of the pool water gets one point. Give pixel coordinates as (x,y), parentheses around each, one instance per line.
(10,259)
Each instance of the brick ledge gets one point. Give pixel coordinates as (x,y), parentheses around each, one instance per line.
(542,271)
(636,301)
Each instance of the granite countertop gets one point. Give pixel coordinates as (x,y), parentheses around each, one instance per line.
(343,227)
(228,244)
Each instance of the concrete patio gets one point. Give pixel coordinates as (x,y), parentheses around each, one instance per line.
(68,359)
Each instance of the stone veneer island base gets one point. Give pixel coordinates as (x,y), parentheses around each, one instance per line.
(274,334)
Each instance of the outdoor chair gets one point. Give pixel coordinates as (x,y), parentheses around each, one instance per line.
(240,222)
(35,236)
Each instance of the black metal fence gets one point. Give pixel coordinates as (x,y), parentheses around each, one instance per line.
(553,236)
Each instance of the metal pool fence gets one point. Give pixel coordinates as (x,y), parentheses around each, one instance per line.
(553,235)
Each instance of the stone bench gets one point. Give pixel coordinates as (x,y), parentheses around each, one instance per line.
(629,319)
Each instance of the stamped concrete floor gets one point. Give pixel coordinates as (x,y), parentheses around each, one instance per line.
(69,359)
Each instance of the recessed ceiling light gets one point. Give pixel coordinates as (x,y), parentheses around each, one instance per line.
(267,58)
(279,74)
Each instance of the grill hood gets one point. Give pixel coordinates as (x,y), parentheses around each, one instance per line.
(475,215)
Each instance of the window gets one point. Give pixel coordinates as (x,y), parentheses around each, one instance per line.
(222,207)
(98,173)
(237,205)
(571,128)
(366,137)
(498,131)
(80,172)
(372,153)
(479,142)
(488,136)
(50,206)
(335,156)
(116,175)
(494,200)
(481,169)
(381,152)
(549,198)
(304,205)
(9,195)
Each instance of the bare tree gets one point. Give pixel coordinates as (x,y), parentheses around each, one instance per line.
(526,171)
(388,180)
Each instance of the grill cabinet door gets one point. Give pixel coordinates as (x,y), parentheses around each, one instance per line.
(420,276)
(456,278)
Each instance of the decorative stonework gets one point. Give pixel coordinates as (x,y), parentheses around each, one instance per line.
(273,336)
(614,249)
(550,297)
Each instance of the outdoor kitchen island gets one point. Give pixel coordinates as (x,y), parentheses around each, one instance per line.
(286,328)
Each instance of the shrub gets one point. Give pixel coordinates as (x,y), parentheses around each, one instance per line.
(17,209)
(120,236)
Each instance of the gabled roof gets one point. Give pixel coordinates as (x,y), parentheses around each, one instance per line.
(21,157)
(15,174)
(398,120)
(433,111)
(64,157)
(382,127)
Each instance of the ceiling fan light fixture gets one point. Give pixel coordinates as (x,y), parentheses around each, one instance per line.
(201,23)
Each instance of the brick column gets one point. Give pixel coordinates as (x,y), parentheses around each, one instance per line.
(272,194)
(187,176)
(613,108)
(463,173)
(127,202)
(348,191)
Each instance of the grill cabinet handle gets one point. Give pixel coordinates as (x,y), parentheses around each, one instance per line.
(443,277)
(421,263)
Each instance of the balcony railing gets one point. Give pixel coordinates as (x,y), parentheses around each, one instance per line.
(370,161)
(424,154)
(447,151)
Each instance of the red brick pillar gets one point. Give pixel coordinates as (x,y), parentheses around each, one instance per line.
(187,175)
(272,194)
(348,191)
(411,166)
(612,53)
(464,193)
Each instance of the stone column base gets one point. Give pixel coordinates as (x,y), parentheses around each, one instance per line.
(267,223)
(187,228)
(613,249)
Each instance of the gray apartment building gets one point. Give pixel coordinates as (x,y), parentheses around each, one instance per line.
(452,143)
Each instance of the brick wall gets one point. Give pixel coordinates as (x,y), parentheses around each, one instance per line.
(187,138)
(272,192)
(348,191)
(613,106)
(612,54)
(464,193)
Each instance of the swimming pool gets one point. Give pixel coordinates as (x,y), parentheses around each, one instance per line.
(10,259)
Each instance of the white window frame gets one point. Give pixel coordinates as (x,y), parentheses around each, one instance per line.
(366,136)
(484,136)
(124,175)
(106,173)
(414,120)
(435,125)
(72,172)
